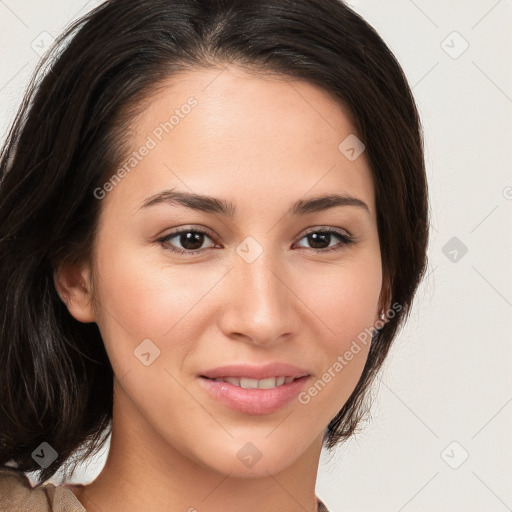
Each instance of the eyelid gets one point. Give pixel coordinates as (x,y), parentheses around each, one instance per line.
(211,234)
(195,228)
(314,229)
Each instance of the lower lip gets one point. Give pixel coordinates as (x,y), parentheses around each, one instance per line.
(254,401)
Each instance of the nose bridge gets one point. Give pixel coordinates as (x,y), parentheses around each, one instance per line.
(260,305)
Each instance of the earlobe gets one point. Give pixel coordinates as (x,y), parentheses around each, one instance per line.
(73,284)
(384,300)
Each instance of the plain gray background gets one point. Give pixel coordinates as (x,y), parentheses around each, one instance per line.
(439,437)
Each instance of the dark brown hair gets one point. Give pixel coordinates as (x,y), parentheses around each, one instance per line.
(56,382)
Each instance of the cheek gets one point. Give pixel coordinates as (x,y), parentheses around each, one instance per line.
(346,300)
(347,305)
(143,299)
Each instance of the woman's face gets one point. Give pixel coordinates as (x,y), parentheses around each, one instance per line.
(252,290)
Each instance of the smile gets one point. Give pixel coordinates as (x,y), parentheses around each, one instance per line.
(247,383)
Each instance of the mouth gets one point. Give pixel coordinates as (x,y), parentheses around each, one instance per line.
(254,396)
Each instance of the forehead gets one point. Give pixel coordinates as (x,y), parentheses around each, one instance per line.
(228,133)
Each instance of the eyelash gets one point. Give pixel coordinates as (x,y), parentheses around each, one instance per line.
(345,240)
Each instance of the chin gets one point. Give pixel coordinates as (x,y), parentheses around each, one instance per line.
(255,458)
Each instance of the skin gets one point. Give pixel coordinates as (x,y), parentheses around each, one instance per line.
(261,143)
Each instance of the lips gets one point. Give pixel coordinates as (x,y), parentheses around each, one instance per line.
(253,401)
(253,389)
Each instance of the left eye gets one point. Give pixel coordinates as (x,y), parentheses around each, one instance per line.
(192,240)
(321,237)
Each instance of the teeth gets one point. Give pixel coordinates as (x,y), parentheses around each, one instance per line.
(243,382)
(249,383)
(269,383)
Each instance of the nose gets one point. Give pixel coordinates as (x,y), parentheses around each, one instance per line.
(259,305)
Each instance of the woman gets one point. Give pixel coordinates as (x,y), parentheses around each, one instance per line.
(213,221)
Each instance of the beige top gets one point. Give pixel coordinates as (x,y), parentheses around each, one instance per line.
(18,495)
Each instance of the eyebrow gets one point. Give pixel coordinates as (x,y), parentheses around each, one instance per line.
(210,204)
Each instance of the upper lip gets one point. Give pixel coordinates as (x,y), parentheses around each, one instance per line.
(255,372)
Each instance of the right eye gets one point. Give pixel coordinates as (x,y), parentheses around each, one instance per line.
(190,239)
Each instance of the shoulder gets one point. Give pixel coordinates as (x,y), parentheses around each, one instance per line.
(18,495)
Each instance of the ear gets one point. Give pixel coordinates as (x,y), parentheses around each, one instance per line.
(74,286)
(385,296)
